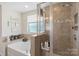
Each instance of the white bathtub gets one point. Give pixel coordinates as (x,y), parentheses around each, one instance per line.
(19,48)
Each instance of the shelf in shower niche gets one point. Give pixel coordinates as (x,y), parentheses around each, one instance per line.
(46,49)
(75,32)
(75,28)
(75,24)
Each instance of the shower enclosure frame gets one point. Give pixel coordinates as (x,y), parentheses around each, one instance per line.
(50,21)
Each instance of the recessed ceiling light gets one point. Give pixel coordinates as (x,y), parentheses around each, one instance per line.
(26,6)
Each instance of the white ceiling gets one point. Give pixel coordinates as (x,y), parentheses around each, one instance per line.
(20,6)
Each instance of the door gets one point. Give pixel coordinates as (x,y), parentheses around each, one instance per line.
(62,29)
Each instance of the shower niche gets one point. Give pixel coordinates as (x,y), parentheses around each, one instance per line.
(75,22)
(76,18)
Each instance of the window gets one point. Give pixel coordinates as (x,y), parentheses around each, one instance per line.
(32,24)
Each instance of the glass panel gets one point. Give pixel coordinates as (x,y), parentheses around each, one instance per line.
(43,21)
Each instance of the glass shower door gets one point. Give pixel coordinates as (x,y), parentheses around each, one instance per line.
(62,29)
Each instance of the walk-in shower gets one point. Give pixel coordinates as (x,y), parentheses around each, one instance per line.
(60,19)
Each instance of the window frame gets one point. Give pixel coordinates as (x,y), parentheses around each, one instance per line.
(38,25)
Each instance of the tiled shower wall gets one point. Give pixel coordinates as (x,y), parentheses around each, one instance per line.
(62,29)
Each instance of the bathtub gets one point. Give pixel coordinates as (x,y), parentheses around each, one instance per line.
(19,48)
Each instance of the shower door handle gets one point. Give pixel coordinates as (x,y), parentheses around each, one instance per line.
(73,27)
(75,38)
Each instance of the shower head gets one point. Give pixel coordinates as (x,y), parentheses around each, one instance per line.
(64,4)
